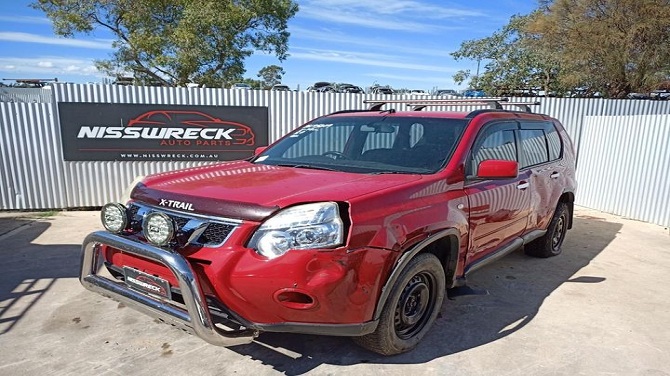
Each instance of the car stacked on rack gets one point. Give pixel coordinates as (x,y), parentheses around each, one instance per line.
(354,224)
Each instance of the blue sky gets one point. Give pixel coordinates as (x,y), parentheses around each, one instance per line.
(402,43)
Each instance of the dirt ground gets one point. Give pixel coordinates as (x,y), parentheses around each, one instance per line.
(601,308)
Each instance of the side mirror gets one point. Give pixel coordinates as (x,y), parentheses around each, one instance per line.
(260,149)
(497,169)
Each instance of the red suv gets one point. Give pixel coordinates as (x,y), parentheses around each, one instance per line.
(354,224)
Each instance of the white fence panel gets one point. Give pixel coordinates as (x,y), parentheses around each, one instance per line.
(625,166)
(31,161)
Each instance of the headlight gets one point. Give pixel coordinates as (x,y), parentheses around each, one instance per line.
(158,228)
(305,226)
(114,218)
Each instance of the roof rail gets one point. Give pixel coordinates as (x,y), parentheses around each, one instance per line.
(420,104)
(523,106)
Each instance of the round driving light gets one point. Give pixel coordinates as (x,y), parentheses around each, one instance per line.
(158,228)
(114,218)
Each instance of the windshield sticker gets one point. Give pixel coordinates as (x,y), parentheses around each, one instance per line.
(261,159)
(311,128)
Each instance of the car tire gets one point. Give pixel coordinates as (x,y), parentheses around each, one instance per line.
(550,243)
(411,308)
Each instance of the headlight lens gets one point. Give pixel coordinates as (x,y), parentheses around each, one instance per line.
(158,228)
(305,226)
(113,217)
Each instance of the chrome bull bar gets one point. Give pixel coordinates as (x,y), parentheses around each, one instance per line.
(196,318)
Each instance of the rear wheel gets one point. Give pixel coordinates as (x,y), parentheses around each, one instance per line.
(411,308)
(550,244)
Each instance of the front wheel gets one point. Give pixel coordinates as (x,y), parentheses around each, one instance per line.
(411,308)
(550,244)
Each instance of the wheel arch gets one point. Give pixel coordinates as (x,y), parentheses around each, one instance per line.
(569,199)
(443,244)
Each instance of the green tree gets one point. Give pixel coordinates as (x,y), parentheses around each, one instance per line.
(271,75)
(512,61)
(255,84)
(611,46)
(178,41)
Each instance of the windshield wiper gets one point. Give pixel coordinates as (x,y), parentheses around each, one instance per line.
(391,173)
(311,167)
(423,171)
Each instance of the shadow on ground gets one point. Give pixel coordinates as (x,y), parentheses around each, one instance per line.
(29,271)
(517,286)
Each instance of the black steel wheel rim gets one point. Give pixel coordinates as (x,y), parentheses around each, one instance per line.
(559,233)
(415,305)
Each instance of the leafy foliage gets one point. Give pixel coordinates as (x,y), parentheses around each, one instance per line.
(271,75)
(511,61)
(611,46)
(178,41)
(586,46)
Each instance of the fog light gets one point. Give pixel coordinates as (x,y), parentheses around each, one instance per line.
(113,217)
(158,228)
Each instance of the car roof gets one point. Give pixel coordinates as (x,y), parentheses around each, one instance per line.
(416,114)
(445,114)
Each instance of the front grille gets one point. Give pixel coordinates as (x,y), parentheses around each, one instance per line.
(216,232)
(179,221)
(132,211)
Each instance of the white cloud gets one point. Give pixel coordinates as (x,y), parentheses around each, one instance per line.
(334,36)
(34,38)
(400,15)
(353,18)
(445,80)
(25,19)
(72,68)
(49,65)
(366,58)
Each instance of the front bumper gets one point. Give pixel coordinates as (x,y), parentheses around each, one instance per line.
(196,318)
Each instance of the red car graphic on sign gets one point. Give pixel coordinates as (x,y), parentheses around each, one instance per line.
(243,135)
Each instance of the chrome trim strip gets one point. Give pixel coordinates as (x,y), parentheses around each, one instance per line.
(222,220)
(195,319)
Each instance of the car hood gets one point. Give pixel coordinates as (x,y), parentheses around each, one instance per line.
(243,190)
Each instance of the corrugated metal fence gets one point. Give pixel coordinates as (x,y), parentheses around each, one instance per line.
(34,175)
(625,169)
(26,95)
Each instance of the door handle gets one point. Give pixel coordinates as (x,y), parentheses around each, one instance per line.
(523,185)
(555,175)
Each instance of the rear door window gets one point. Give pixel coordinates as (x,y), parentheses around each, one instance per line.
(540,143)
(534,145)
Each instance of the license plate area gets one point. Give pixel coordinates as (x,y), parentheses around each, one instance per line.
(146,283)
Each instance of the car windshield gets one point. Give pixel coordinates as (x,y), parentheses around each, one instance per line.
(369,144)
